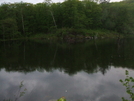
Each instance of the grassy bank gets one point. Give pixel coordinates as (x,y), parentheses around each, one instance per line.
(68,34)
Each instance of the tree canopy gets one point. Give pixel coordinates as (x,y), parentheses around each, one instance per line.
(26,19)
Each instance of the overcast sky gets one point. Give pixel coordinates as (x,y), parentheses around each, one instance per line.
(38,1)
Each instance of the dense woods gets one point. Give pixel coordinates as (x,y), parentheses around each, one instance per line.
(69,17)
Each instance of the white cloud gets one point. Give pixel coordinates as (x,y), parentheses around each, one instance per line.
(38,1)
(44,86)
(29,1)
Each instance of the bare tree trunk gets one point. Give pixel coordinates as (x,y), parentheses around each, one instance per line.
(24,53)
(48,3)
(53,19)
(3,32)
(54,55)
(22,19)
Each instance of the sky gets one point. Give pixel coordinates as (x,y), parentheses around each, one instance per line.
(43,86)
(38,1)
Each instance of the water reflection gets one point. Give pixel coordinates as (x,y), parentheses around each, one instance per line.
(81,72)
(31,56)
(80,87)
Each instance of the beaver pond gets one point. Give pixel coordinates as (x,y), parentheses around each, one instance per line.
(85,71)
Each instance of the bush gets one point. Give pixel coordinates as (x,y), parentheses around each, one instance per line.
(128,83)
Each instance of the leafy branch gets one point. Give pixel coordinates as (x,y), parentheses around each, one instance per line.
(20,93)
(129,84)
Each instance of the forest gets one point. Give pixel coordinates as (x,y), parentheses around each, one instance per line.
(70,18)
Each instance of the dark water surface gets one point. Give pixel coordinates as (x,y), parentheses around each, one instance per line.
(87,71)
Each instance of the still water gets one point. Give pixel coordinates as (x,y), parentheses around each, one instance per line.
(86,71)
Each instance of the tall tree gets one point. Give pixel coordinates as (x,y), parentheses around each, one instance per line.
(9,28)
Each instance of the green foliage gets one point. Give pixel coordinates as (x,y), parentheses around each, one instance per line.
(9,28)
(118,17)
(20,92)
(62,99)
(26,19)
(129,84)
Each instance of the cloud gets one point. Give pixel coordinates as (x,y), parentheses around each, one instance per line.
(38,1)
(28,1)
(43,86)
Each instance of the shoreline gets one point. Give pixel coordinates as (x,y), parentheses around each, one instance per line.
(73,35)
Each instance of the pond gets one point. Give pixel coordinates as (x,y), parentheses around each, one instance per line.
(86,71)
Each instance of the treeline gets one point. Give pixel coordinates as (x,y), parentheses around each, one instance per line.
(26,19)
(91,57)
